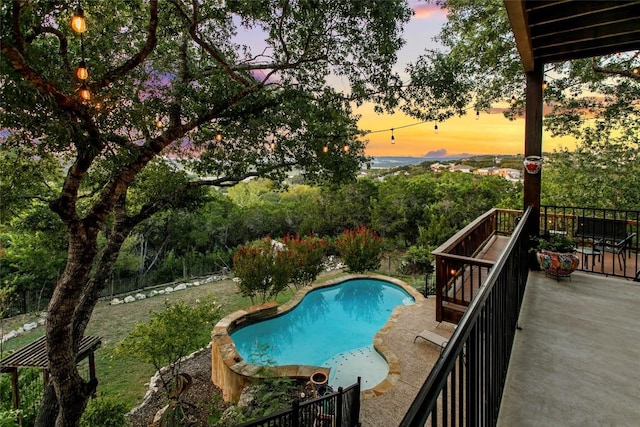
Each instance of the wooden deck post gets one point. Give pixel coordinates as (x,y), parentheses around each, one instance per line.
(533,145)
(15,390)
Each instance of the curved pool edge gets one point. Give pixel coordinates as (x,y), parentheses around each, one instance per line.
(231,373)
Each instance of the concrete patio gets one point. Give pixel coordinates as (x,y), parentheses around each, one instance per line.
(576,361)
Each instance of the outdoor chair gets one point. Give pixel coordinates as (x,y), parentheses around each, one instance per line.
(433,338)
(619,249)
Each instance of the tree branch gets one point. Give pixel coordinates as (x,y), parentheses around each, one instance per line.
(139,57)
(614,71)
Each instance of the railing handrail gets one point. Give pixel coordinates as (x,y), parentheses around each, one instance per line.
(300,406)
(454,240)
(426,398)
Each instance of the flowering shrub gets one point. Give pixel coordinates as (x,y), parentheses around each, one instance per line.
(306,255)
(264,269)
(360,249)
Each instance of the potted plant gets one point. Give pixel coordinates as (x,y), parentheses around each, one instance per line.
(556,255)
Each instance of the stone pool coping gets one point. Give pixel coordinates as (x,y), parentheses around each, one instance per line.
(231,373)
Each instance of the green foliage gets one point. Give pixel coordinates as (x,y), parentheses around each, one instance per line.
(555,243)
(264,269)
(171,335)
(360,249)
(30,388)
(417,260)
(306,258)
(9,418)
(104,412)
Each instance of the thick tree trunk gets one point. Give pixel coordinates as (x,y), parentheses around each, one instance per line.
(49,407)
(66,411)
(71,390)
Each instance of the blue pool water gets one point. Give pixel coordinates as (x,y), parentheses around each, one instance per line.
(332,326)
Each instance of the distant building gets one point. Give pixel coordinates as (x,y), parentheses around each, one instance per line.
(438,166)
(490,170)
(461,168)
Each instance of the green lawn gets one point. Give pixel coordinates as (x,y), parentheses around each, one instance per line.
(127,380)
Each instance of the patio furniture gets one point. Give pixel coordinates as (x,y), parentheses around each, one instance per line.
(589,252)
(433,338)
(618,248)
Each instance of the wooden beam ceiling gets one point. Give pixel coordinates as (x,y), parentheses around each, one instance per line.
(560,30)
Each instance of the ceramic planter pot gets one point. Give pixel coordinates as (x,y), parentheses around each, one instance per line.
(558,264)
(533,164)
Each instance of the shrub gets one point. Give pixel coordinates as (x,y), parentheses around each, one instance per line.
(264,270)
(417,260)
(360,249)
(104,412)
(306,258)
(169,336)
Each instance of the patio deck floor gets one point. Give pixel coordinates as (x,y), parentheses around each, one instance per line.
(576,361)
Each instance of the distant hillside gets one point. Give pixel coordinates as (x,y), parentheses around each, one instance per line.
(394,162)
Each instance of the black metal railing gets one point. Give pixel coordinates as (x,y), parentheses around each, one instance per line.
(339,409)
(606,239)
(466,384)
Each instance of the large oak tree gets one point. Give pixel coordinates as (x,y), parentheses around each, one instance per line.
(167,78)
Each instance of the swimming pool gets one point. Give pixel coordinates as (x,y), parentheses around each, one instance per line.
(333,327)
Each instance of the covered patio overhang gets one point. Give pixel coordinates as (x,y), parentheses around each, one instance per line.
(562,30)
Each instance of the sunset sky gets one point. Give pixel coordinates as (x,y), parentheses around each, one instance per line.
(491,134)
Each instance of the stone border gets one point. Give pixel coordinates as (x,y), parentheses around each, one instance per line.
(232,374)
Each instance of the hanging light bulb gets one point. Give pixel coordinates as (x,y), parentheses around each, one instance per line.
(514,101)
(435,128)
(325,149)
(78,23)
(273,145)
(477,114)
(81,71)
(544,85)
(345,148)
(84,92)
(159,123)
(393,138)
(218,137)
(636,70)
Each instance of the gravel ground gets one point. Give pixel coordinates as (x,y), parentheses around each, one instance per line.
(203,398)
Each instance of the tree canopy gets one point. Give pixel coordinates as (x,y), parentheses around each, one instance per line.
(594,100)
(166,79)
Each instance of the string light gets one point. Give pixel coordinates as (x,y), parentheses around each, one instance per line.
(636,70)
(78,23)
(218,137)
(345,148)
(514,101)
(393,138)
(325,149)
(435,128)
(85,94)
(81,72)
(477,114)
(544,85)
(159,123)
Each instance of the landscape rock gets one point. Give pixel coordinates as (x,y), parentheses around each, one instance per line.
(116,301)
(129,299)
(180,287)
(30,326)
(140,296)
(168,290)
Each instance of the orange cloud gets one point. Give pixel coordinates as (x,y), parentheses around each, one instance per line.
(426,10)
(491,134)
